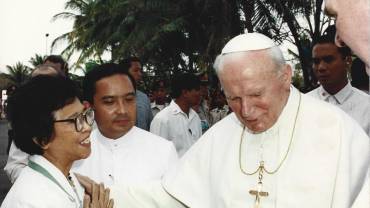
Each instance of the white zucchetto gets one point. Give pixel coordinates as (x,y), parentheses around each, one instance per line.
(247,42)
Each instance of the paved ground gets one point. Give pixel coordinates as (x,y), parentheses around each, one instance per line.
(4,182)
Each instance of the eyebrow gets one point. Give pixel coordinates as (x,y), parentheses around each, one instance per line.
(74,115)
(113,96)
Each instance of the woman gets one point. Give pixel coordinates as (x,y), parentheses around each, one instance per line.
(51,125)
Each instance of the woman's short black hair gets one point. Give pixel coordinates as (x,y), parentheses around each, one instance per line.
(99,72)
(31,110)
(182,82)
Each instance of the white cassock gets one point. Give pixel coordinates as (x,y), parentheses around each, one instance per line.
(136,157)
(325,167)
(32,189)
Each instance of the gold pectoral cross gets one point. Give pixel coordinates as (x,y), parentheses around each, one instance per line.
(259,193)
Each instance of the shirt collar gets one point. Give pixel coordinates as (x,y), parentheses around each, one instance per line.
(124,140)
(344,93)
(155,105)
(54,171)
(340,96)
(175,109)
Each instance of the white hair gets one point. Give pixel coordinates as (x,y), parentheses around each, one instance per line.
(274,52)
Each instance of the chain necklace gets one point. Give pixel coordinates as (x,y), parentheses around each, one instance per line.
(258,193)
(285,156)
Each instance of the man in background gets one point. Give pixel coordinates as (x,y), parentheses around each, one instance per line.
(159,93)
(58,63)
(178,122)
(144,113)
(331,65)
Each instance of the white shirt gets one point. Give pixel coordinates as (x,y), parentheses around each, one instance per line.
(176,126)
(136,157)
(17,160)
(351,100)
(325,167)
(156,107)
(217,114)
(33,189)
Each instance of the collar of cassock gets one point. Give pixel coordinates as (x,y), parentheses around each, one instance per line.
(111,144)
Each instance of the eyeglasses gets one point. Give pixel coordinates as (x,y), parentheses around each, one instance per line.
(86,116)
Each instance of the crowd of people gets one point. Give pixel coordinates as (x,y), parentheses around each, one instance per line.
(258,142)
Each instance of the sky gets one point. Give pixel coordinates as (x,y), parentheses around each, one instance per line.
(23,25)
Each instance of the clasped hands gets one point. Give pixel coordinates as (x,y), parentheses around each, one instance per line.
(96,195)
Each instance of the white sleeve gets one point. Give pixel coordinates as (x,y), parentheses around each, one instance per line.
(17,160)
(363,199)
(160,128)
(149,195)
(173,157)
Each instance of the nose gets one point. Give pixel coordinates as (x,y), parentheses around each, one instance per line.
(121,107)
(140,74)
(247,108)
(321,66)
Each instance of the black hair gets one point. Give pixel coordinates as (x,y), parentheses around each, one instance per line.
(358,74)
(58,60)
(158,84)
(99,72)
(126,63)
(184,82)
(31,110)
(329,37)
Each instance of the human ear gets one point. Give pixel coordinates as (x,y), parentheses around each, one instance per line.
(40,143)
(286,76)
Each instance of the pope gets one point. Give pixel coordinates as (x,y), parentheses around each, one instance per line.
(279,147)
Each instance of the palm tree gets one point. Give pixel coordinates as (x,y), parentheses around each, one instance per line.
(36,60)
(300,22)
(18,73)
(186,35)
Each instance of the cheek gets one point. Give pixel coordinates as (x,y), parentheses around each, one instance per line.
(102,116)
(263,106)
(234,106)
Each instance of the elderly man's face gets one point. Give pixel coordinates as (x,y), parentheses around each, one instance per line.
(353,25)
(255,91)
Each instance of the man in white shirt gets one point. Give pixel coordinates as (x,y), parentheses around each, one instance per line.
(331,65)
(279,148)
(160,95)
(352,22)
(178,122)
(120,152)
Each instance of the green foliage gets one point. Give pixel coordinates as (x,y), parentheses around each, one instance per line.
(19,73)
(184,35)
(36,60)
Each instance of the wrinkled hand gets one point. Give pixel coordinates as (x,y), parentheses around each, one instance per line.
(96,195)
(99,197)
